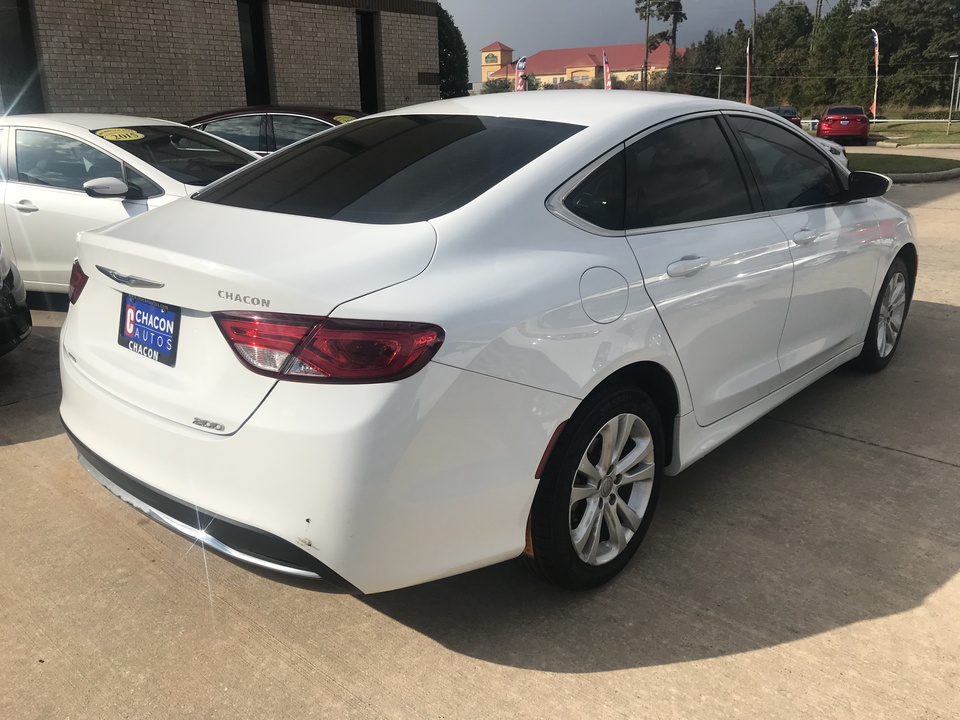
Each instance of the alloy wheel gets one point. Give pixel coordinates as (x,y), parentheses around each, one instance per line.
(890,318)
(612,489)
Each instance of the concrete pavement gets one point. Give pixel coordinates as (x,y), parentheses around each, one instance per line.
(808,568)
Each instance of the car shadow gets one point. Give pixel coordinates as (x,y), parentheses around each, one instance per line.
(837,508)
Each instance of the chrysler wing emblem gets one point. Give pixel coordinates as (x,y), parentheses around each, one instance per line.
(129,280)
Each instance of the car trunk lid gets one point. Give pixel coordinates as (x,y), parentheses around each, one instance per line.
(143,328)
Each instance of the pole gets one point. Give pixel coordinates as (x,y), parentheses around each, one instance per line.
(953,86)
(646,50)
(719,70)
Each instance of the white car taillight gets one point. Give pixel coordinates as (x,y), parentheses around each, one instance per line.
(317,349)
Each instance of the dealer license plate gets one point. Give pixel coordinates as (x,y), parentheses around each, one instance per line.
(149,329)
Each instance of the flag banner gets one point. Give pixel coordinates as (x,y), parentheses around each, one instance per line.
(876,73)
(607,82)
(521,79)
(748,71)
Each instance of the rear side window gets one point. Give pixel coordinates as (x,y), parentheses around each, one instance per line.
(288,129)
(243,131)
(599,199)
(684,173)
(390,170)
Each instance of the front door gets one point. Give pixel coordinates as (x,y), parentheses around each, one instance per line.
(46,205)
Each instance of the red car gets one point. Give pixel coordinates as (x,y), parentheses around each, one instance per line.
(844,122)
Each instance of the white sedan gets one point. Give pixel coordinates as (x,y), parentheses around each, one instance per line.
(452,334)
(62,173)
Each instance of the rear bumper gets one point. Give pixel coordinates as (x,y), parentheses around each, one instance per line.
(373,487)
(233,540)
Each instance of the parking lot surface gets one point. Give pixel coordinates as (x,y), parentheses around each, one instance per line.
(810,567)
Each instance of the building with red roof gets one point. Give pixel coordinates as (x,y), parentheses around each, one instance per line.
(580,65)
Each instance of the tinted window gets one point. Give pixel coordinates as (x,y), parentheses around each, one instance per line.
(395,169)
(243,131)
(288,129)
(684,173)
(187,155)
(844,110)
(3,134)
(59,161)
(792,173)
(600,198)
(143,187)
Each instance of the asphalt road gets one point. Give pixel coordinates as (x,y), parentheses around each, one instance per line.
(808,568)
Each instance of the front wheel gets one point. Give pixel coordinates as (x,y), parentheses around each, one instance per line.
(599,490)
(886,322)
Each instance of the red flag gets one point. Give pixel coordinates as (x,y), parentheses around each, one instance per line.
(521,77)
(748,71)
(607,82)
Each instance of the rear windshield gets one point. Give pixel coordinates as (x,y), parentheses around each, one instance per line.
(389,170)
(845,110)
(187,155)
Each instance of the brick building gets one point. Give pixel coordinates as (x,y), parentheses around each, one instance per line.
(177,59)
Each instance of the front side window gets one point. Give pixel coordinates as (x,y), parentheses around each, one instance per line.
(393,169)
(243,131)
(288,129)
(792,173)
(684,173)
(53,160)
(184,154)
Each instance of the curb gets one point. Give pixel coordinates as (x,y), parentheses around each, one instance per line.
(909,178)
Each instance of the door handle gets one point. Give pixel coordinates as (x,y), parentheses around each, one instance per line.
(805,236)
(687,265)
(24,206)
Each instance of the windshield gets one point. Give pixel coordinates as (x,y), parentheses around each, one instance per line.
(394,169)
(187,155)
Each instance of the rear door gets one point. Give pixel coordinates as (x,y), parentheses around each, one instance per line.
(835,245)
(719,273)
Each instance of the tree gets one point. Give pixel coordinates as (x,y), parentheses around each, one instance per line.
(497,85)
(454,73)
(666,11)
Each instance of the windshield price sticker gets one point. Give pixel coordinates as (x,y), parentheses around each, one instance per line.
(119,134)
(149,329)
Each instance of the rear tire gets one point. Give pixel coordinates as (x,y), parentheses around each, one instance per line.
(886,321)
(598,492)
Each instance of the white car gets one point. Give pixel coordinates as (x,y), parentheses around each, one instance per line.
(62,173)
(451,334)
(835,149)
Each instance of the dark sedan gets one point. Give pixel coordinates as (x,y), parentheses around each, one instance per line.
(266,128)
(15,320)
(784,111)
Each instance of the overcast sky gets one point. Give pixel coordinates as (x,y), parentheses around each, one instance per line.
(529,26)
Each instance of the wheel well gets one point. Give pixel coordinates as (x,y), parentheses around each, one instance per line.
(909,254)
(656,382)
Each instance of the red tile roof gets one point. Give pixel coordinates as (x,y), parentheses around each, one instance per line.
(621,58)
(496,46)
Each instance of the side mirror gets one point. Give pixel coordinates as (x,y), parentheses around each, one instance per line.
(863,185)
(106,187)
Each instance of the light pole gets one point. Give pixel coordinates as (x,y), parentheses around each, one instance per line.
(953,87)
(719,69)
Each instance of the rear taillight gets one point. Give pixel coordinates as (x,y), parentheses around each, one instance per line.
(78,279)
(316,349)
